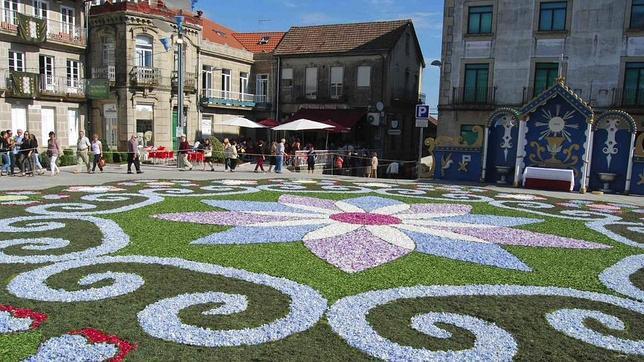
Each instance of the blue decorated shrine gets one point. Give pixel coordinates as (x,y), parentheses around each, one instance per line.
(555,131)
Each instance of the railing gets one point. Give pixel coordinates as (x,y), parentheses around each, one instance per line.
(57,31)
(61,86)
(143,76)
(474,95)
(262,99)
(189,81)
(227,98)
(105,72)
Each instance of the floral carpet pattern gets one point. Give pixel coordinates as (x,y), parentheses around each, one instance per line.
(239,269)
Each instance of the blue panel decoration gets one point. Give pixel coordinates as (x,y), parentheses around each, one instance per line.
(557,130)
(611,151)
(458,164)
(503,128)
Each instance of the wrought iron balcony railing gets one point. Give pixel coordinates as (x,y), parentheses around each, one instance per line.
(215,97)
(145,77)
(105,72)
(54,30)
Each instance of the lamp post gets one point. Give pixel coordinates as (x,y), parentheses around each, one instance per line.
(180,75)
(421,142)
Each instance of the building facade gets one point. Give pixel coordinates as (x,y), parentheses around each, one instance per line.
(365,77)
(42,79)
(543,84)
(503,53)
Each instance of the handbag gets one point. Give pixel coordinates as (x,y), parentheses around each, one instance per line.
(101,162)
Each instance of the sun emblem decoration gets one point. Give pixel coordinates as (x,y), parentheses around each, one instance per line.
(556,125)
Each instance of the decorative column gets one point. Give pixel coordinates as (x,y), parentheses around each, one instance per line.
(629,169)
(585,178)
(486,135)
(520,150)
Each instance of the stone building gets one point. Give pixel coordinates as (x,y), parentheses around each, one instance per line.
(503,53)
(42,80)
(127,51)
(264,72)
(365,77)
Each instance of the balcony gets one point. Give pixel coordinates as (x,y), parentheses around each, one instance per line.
(189,82)
(219,98)
(54,30)
(50,86)
(474,96)
(145,77)
(107,72)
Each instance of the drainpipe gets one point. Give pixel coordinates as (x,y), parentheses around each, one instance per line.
(278,80)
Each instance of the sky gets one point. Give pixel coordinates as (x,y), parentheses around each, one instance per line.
(280,15)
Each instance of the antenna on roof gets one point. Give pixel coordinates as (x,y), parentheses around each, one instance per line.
(261,22)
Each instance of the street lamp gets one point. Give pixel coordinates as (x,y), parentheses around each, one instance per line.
(421,142)
(180,74)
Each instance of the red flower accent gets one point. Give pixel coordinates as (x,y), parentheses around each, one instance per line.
(37,318)
(96,336)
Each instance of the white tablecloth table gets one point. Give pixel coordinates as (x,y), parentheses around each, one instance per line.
(549,174)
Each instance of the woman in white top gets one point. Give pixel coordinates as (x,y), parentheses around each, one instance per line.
(97,150)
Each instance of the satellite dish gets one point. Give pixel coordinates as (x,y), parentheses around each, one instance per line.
(380,106)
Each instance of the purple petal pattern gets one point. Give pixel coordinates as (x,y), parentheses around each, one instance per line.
(508,236)
(225,218)
(356,251)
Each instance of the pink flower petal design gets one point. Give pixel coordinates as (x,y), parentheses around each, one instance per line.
(225,218)
(356,251)
(308,201)
(509,236)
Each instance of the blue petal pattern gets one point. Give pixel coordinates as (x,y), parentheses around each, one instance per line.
(250,206)
(258,235)
(480,253)
(370,203)
(500,221)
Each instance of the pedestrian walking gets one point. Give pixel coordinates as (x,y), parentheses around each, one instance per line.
(261,156)
(82,152)
(233,156)
(35,155)
(97,151)
(311,158)
(28,166)
(133,157)
(208,155)
(16,154)
(273,156)
(374,166)
(4,153)
(53,151)
(184,148)
(228,152)
(279,156)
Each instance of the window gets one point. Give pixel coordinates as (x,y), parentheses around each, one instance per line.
(262,88)
(476,81)
(545,76)
(634,84)
(637,14)
(68,20)
(144,51)
(73,73)
(337,80)
(552,16)
(225,83)
(480,20)
(40,9)
(287,77)
(16,61)
(468,136)
(10,11)
(47,71)
(243,82)
(264,40)
(364,76)
(207,82)
(108,51)
(311,76)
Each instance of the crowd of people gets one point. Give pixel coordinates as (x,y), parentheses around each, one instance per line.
(21,152)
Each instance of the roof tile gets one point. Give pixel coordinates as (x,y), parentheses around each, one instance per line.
(252,41)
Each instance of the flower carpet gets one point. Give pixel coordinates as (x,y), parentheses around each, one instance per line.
(316,269)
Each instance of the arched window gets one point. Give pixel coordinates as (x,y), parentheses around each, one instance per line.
(144,50)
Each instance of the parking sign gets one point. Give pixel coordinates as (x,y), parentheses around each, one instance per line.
(422,111)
